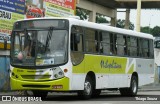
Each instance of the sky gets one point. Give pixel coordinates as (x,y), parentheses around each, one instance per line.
(148,16)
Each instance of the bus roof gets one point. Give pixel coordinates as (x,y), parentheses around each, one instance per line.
(74,21)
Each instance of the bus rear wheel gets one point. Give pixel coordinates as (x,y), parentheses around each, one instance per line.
(88,89)
(132,90)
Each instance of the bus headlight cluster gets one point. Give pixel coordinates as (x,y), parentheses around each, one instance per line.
(14,75)
(57,73)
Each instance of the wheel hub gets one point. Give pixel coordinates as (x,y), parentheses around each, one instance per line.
(87,88)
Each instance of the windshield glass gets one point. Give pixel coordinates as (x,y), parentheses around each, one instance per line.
(39,46)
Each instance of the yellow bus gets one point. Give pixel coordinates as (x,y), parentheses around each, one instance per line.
(71,55)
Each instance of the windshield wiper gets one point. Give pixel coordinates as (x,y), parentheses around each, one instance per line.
(49,36)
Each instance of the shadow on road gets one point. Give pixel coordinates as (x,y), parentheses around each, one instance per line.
(99,98)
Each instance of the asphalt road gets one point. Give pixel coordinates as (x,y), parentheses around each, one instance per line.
(146,97)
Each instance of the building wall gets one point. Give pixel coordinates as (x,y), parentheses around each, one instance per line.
(95,8)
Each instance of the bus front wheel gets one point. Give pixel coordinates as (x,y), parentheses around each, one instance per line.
(88,89)
(132,90)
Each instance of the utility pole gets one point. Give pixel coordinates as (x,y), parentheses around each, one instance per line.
(150,24)
(138,15)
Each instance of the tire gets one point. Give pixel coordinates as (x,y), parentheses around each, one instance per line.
(132,90)
(42,94)
(88,89)
(96,93)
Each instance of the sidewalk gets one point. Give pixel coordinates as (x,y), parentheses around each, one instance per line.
(150,87)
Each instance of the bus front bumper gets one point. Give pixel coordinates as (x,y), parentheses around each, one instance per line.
(55,85)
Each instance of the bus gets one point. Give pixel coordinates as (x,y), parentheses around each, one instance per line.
(72,55)
(157,58)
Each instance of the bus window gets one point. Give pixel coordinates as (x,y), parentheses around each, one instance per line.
(140,47)
(120,45)
(76,39)
(133,46)
(125,44)
(76,45)
(151,50)
(145,47)
(115,44)
(105,43)
(16,44)
(128,45)
(91,43)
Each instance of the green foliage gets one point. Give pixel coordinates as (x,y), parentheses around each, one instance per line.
(101,19)
(121,24)
(82,13)
(156,31)
(146,29)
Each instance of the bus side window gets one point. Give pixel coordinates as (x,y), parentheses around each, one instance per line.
(105,43)
(140,47)
(133,46)
(76,39)
(145,48)
(120,45)
(115,44)
(125,45)
(128,45)
(151,50)
(76,45)
(91,43)
(111,35)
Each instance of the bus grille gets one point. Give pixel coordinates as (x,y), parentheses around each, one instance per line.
(40,77)
(37,86)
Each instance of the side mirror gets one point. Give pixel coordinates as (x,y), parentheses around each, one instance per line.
(77,38)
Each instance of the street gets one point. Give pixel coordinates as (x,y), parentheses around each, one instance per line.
(143,97)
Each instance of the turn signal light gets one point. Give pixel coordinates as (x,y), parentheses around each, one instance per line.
(65,70)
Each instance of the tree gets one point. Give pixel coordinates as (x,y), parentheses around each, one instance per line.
(82,13)
(121,24)
(156,31)
(101,19)
(146,29)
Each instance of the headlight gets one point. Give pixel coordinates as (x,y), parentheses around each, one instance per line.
(57,73)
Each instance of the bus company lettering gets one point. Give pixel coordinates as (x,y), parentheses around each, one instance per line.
(106,64)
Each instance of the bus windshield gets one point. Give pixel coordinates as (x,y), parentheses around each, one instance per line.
(40,45)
